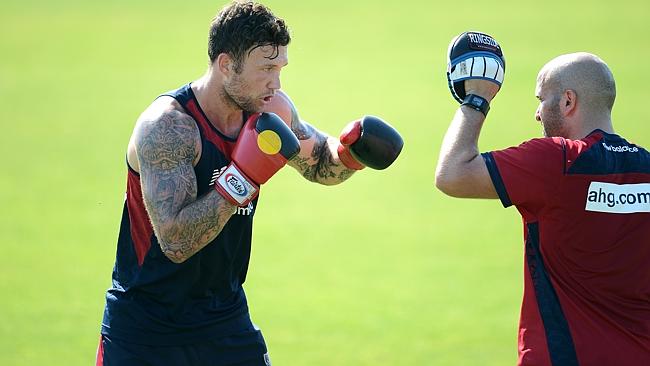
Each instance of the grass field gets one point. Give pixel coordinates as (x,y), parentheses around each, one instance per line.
(382,270)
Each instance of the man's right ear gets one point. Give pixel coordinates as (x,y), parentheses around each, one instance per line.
(224,63)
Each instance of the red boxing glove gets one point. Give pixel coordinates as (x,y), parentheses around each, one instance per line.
(263,147)
(349,135)
(371,142)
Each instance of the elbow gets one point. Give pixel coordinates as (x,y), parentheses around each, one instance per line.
(174,257)
(443,184)
(441,180)
(448,183)
(324,182)
(172,249)
(330,182)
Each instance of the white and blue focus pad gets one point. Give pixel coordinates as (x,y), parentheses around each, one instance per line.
(473,55)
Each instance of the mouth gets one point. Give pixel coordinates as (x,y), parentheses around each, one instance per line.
(267,98)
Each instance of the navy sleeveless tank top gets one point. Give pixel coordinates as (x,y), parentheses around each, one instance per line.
(155,301)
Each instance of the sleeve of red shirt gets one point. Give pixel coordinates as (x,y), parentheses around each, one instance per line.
(525,175)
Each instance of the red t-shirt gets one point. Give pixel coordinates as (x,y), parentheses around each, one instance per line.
(586,211)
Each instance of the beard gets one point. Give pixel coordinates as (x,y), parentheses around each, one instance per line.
(553,123)
(233,94)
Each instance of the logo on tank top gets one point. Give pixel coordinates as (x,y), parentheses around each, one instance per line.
(246,211)
(216,174)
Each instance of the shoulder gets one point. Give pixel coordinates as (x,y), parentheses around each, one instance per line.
(542,148)
(164,125)
(283,106)
(544,144)
(568,148)
(538,153)
(164,113)
(161,111)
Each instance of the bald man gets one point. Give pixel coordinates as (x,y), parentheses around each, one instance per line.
(584,195)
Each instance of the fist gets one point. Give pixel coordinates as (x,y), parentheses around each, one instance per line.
(481,87)
(474,56)
(263,147)
(369,142)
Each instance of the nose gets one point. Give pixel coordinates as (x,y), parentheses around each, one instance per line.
(275,82)
(538,117)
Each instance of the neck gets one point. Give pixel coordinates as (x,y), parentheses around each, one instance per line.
(221,113)
(591,123)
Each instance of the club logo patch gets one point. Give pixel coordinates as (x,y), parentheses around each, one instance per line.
(235,185)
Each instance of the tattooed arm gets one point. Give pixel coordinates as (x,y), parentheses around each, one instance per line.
(318,160)
(166,147)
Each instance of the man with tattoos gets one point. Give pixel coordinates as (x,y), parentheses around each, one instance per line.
(185,238)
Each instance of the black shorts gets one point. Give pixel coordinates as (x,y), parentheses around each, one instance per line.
(242,349)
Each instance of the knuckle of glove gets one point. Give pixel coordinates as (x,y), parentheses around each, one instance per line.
(379,144)
(264,146)
(276,136)
(473,55)
(351,133)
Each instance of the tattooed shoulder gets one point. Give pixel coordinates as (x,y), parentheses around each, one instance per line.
(167,140)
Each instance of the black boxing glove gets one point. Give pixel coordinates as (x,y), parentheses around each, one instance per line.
(371,142)
(473,55)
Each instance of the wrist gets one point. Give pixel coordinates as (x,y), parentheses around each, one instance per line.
(477,103)
(346,158)
(236,187)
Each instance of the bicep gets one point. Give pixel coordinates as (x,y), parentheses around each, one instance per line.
(482,185)
(470,180)
(166,149)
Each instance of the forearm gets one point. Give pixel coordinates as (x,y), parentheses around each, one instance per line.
(195,226)
(322,165)
(333,171)
(460,143)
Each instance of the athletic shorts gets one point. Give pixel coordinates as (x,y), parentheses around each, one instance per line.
(242,349)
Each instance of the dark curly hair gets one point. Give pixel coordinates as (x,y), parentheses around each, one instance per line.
(240,27)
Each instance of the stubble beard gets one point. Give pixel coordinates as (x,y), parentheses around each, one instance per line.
(553,124)
(232,94)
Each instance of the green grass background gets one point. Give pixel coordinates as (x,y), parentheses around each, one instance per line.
(382,270)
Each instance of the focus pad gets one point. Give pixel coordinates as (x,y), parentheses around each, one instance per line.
(473,55)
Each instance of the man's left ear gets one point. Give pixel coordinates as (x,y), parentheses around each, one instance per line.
(569,101)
